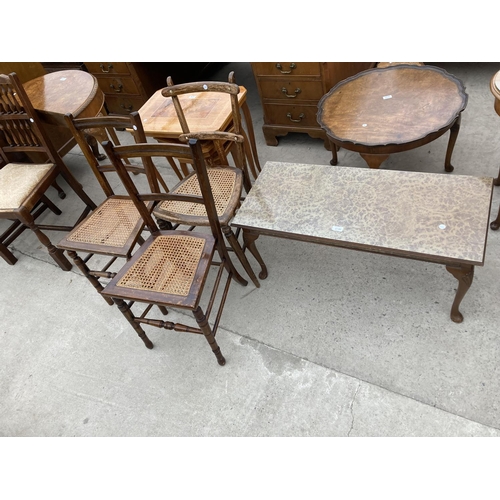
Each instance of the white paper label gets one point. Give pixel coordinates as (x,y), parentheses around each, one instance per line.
(387,97)
(338,229)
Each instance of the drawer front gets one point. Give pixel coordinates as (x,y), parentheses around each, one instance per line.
(291,116)
(287,69)
(123,105)
(290,90)
(98,68)
(118,85)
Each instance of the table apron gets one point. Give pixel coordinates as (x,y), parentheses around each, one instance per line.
(362,248)
(389,148)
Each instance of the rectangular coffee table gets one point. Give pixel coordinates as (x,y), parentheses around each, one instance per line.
(438,218)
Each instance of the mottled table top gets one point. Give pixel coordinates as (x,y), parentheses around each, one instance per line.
(434,217)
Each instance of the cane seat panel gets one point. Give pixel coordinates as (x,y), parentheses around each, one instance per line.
(110,224)
(168,265)
(224,182)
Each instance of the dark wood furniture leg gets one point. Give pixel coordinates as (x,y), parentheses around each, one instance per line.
(60,191)
(455,128)
(92,142)
(249,238)
(496,223)
(77,187)
(7,255)
(86,272)
(202,321)
(125,310)
(235,245)
(55,253)
(464,275)
(333,147)
(496,181)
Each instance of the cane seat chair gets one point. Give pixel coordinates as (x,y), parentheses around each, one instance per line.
(23,185)
(170,269)
(227,182)
(216,153)
(114,229)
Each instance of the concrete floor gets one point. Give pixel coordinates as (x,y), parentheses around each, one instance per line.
(334,343)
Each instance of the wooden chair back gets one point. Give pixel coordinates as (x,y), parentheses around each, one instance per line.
(230,88)
(21,130)
(192,150)
(103,126)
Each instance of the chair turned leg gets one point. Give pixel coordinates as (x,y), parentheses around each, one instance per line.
(7,255)
(207,331)
(53,208)
(86,272)
(56,253)
(125,310)
(163,310)
(235,245)
(59,190)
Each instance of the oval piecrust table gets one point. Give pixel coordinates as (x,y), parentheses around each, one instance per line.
(389,110)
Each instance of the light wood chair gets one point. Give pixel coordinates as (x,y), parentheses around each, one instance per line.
(171,268)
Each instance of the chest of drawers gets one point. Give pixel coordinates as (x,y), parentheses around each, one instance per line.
(122,85)
(128,85)
(290,92)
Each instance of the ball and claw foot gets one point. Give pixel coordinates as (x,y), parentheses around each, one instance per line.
(494,225)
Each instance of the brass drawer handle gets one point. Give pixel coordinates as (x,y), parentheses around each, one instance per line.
(292,66)
(116,89)
(110,66)
(128,108)
(297,91)
(289,116)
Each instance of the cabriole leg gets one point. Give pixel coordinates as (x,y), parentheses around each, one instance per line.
(249,239)
(464,275)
